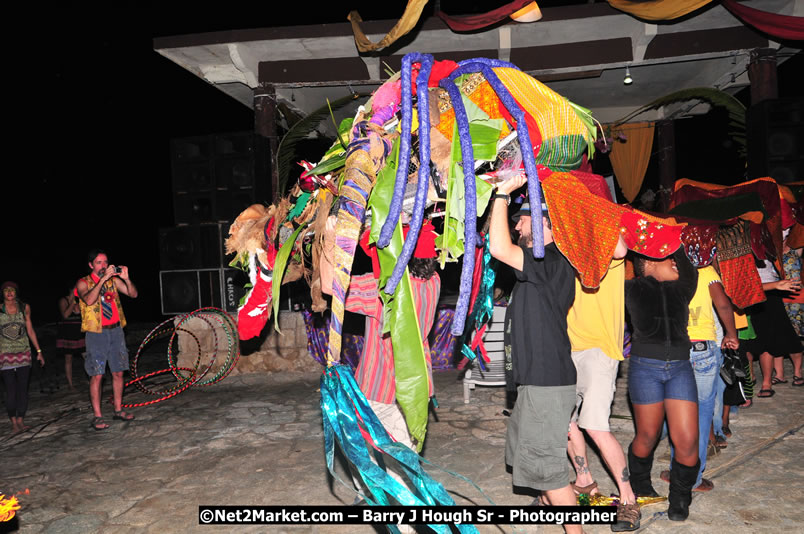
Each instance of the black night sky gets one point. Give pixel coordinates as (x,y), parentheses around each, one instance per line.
(94,109)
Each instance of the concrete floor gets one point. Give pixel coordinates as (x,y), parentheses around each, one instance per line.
(257,440)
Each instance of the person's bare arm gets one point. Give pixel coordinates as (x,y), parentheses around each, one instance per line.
(500,243)
(124,283)
(725,311)
(32,335)
(621,250)
(68,305)
(90,296)
(782,285)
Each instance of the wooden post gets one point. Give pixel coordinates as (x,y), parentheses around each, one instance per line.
(666,139)
(265,128)
(762,73)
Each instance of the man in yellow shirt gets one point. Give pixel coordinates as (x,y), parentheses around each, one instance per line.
(595,324)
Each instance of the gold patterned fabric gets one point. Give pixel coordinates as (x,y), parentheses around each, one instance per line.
(91,315)
(586,227)
(737,269)
(476,89)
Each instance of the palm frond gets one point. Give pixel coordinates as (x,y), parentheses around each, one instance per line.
(285,154)
(715,97)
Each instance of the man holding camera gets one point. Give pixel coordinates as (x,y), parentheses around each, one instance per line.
(102,320)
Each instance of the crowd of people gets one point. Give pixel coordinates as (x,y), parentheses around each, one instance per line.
(91,325)
(563,347)
(564,343)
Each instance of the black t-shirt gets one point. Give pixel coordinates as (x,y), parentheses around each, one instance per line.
(538,350)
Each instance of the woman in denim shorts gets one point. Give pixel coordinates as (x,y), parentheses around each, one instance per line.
(661,382)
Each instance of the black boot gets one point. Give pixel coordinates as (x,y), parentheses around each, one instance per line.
(640,474)
(682,479)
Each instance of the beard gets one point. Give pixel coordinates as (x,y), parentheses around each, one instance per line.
(525,241)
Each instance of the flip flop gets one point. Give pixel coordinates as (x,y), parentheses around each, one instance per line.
(122,416)
(766,393)
(798,381)
(775,381)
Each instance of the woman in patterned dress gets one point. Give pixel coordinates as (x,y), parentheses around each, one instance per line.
(16,336)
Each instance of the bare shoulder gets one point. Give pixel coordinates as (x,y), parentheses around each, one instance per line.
(81,286)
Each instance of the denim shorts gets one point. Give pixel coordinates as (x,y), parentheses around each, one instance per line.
(651,381)
(107,346)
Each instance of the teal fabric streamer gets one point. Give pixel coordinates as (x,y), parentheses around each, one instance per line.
(349,419)
(468,353)
(483,309)
(485,297)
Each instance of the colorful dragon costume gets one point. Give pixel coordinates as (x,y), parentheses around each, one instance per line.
(436,133)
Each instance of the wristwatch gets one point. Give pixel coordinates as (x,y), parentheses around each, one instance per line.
(506,198)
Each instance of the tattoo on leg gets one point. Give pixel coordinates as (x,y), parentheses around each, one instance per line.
(626,474)
(579,460)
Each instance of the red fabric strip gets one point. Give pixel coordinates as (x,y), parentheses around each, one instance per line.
(466,23)
(781,26)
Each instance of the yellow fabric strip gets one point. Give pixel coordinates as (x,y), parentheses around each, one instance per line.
(658,9)
(408,21)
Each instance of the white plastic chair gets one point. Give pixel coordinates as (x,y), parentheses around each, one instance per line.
(494,375)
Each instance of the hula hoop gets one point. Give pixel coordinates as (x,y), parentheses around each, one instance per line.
(212,317)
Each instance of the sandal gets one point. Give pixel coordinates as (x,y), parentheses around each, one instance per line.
(122,416)
(581,490)
(766,393)
(711,450)
(705,485)
(538,501)
(775,381)
(99,424)
(798,381)
(720,442)
(628,516)
(727,431)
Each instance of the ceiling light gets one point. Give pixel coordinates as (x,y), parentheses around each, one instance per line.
(628,80)
(529,13)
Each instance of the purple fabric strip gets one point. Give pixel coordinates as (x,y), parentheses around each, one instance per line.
(409,246)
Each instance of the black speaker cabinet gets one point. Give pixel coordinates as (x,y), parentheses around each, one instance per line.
(191,149)
(188,290)
(193,247)
(776,140)
(216,177)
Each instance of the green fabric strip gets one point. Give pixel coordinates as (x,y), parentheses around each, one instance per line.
(410,366)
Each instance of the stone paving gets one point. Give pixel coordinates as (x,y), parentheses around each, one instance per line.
(257,439)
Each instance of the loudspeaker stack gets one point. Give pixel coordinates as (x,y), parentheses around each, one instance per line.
(776,140)
(215,177)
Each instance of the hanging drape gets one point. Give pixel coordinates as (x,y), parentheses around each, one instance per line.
(658,9)
(408,21)
(630,159)
(780,26)
(465,23)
